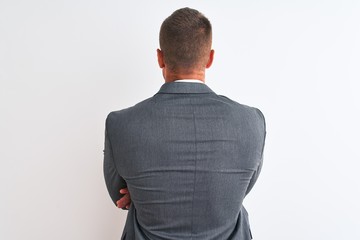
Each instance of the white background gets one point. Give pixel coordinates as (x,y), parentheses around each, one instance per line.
(64,65)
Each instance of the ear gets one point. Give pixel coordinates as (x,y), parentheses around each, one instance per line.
(211,58)
(160,57)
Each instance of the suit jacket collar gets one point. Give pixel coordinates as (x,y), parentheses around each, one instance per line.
(182,87)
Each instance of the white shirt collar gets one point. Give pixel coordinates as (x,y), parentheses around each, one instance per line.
(190,81)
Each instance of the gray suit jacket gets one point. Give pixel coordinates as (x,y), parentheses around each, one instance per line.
(188,157)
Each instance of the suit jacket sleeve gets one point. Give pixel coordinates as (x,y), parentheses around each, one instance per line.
(254,177)
(256,173)
(114,182)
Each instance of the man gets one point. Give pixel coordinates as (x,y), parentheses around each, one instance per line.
(186,156)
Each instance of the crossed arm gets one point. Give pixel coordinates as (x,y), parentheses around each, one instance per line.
(125,201)
(116,185)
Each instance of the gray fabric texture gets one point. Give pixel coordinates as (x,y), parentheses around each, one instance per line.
(188,157)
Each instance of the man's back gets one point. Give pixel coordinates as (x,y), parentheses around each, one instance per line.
(188,157)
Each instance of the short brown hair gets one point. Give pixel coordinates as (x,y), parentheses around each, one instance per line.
(185,39)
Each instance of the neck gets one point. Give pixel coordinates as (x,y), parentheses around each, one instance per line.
(171,76)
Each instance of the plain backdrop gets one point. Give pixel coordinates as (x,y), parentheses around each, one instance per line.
(65,64)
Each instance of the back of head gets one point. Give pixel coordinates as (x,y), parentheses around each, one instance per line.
(185,40)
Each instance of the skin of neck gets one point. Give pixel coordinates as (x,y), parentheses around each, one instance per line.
(171,75)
